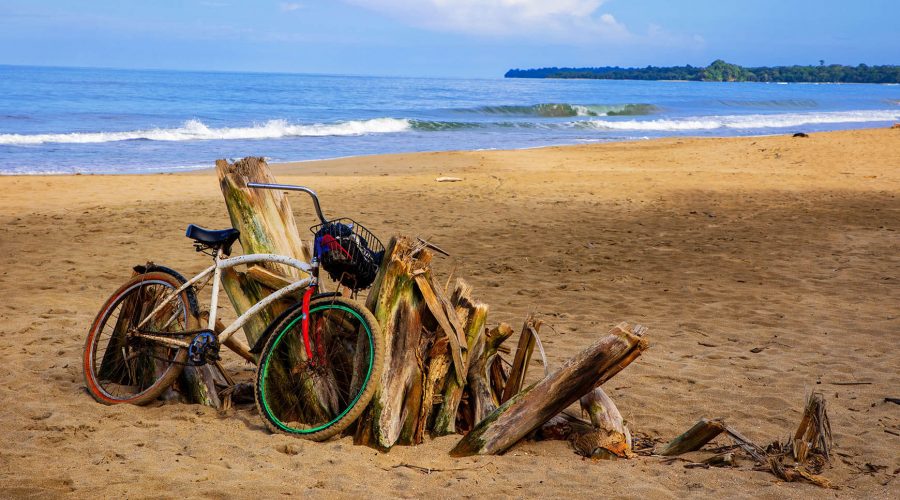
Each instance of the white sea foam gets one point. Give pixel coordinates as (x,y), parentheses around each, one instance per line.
(586,111)
(745,121)
(195,130)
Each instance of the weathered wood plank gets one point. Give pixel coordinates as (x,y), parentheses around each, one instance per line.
(522,357)
(704,431)
(527,410)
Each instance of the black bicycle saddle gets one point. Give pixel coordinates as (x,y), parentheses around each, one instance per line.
(213,238)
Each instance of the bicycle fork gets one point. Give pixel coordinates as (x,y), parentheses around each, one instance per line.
(318,358)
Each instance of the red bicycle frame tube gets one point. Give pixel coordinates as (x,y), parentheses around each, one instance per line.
(307,295)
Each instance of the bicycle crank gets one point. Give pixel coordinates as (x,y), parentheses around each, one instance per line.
(204,348)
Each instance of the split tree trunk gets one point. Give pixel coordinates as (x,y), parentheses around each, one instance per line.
(266,223)
(398,309)
(813,435)
(484,401)
(202,384)
(428,339)
(527,410)
(473,315)
(419,336)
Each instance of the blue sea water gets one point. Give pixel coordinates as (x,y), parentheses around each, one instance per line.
(69,120)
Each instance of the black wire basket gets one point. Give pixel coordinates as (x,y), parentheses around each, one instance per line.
(348,251)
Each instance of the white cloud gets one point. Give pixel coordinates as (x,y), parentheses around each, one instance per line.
(290,6)
(559,19)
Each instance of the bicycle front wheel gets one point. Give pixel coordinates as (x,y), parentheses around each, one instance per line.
(316,389)
(123,367)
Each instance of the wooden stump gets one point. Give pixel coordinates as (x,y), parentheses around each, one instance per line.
(540,402)
(266,223)
(415,341)
(427,337)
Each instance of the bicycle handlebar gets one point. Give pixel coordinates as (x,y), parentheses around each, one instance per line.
(290,187)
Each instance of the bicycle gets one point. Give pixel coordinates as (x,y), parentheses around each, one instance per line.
(317,361)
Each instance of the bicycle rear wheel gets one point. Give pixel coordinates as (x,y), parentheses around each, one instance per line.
(120,367)
(316,391)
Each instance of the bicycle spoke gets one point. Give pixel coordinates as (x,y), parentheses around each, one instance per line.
(127,365)
(310,394)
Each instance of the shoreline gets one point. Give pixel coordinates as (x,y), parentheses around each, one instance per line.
(192,170)
(759,159)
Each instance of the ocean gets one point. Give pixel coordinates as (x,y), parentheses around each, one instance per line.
(79,120)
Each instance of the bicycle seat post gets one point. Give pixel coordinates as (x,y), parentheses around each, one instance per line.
(217,280)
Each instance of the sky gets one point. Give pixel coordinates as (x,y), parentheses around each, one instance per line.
(443,38)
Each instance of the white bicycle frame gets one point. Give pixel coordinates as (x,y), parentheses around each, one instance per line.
(216,270)
(221,263)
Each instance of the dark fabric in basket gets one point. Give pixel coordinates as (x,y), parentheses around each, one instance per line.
(346,256)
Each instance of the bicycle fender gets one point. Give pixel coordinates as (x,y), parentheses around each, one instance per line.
(150,267)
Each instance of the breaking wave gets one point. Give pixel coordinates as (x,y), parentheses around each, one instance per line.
(195,130)
(743,121)
(441,126)
(554,110)
(770,103)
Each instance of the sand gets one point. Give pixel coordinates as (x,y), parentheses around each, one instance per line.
(722,247)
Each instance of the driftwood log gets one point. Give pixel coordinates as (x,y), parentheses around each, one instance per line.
(266,223)
(704,431)
(801,458)
(538,403)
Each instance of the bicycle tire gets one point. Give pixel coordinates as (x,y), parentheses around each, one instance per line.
(138,389)
(285,374)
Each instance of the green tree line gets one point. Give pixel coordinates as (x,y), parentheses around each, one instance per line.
(721,71)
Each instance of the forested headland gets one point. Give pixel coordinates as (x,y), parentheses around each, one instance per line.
(721,71)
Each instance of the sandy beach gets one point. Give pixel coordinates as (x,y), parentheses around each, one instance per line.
(764,267)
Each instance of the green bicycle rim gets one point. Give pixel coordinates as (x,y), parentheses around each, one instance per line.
(265,373)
